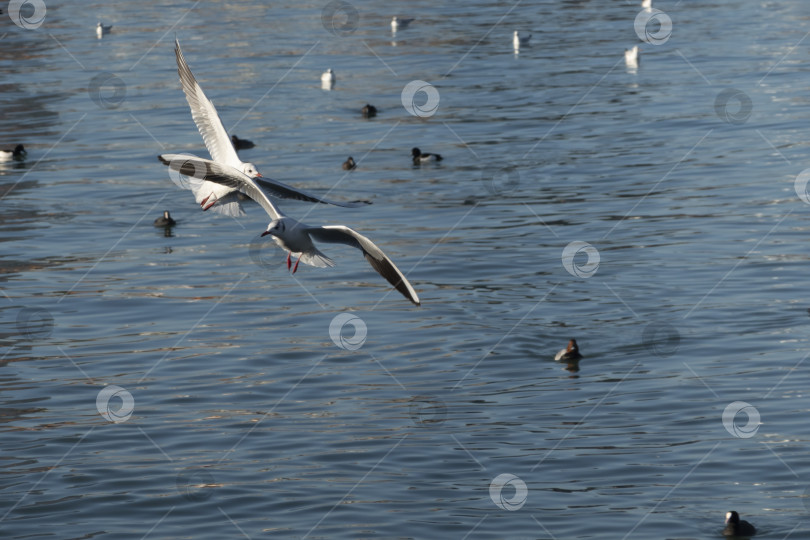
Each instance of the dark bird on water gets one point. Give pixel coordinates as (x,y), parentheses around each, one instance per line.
(737,527)
(165,220)
(569,353)
(349,164)
(241,144)
(17,153)
(419,157)
(369,111)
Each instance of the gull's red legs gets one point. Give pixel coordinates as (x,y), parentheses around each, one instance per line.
(209,205)
(289,262)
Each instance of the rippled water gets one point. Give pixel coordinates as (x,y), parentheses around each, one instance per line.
(181,384)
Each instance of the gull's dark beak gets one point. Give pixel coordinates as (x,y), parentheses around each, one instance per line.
(265,233)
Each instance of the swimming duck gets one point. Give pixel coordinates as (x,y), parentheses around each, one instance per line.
(17,153)
(369,111)
(569,353)
(349,164)
(419,157)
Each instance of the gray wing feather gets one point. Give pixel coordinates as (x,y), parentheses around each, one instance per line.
(205,114)
(340,234)
(212,171)
(283,191)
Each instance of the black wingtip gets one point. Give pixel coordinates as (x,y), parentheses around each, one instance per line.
(388,271)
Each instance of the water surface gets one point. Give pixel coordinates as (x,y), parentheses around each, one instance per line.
(247,419)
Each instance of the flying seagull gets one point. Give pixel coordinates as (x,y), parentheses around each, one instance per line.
(298,238)
(208,193)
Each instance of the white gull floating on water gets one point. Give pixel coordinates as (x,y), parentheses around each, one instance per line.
(328,79)
(399,24)
(632,57)
(518,40)
(102,30)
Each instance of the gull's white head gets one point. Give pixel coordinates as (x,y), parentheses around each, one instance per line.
(275,227)
(251,170)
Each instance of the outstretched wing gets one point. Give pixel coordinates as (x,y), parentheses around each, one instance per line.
(283,191)
(205,169)
(225,175)
(205,115)
(340,234)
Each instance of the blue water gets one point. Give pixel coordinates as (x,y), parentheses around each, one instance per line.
(182,384)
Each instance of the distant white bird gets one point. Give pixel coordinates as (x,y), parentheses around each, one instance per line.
(646,4)
(297,238)
(328,79)
(399,24)
(518,40)
(101,30)
(632,57)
